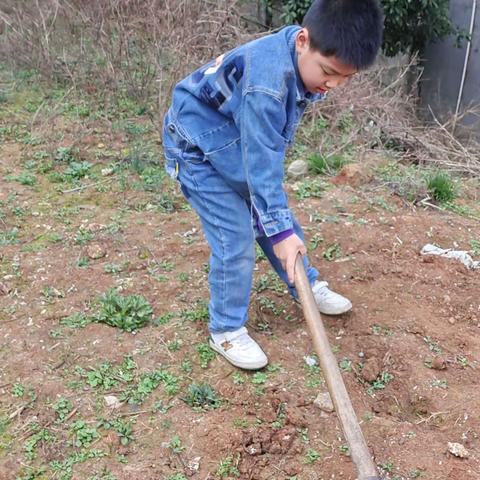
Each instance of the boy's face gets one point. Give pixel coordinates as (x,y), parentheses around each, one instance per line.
(318,72)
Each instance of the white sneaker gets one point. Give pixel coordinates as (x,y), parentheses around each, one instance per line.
(328,302)
(239,348)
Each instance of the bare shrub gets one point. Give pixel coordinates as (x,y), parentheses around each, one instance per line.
(386,117)
(117,45)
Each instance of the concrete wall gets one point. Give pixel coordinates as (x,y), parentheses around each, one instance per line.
(443,66)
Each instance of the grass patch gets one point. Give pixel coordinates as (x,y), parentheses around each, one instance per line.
(441,187)
(326,164)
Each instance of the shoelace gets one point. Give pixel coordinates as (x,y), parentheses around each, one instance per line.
(321,289)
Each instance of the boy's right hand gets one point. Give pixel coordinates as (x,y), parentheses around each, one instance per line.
(286,251)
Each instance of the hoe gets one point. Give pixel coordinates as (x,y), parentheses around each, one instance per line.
(361,457)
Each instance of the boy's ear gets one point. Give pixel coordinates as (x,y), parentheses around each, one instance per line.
(303,39)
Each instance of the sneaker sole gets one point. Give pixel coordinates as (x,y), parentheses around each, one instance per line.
(336,311)
(243,365)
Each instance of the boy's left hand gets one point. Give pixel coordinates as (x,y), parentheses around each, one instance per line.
(286,251)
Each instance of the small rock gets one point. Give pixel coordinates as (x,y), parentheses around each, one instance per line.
(254,449)
(112,401)
(458,450)
(439,363)
(194,464)
(4,290)
(451,321)
(297,168)
(352,174)
(96,251)
(310,361)
(324,402)
(95,227)
(371,369)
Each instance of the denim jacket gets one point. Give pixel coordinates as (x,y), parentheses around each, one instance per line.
(242,115)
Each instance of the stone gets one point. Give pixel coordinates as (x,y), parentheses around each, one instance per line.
(458,450)
(371,369)
(96,251)
(112,401)
(439,363)
(297,168)
(324,402)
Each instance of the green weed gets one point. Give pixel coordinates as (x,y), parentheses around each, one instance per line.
(380,383)
(198,314)
(228,467)
(312,456)
(206,354)
(83,436)
(332,252)
(30,446)
(177,476)
(124,429)
(24,178)
(128,313)
(310,189)
(75,320)
(83,236)
(62,407)
(259,378)
(175,445)
(148,383)
(326,164)
(201,396)
(475,246)
(440,383)
(18,390)
(441,187)
(9,237)
(77,170)
(432,345)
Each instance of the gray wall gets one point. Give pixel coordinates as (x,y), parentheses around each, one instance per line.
(443,67)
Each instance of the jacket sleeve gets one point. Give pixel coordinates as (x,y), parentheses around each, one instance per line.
(262,120)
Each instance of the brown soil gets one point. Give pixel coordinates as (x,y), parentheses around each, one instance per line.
(405,306)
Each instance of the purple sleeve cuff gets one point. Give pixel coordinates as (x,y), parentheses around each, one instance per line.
(274,239)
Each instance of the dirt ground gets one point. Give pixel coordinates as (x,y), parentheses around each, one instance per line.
(409,350)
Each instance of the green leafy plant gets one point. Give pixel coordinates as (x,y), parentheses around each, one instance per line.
(75,320)
(475,246)
(148,383)
(312,456)
(83,436)
(206,354)
(202,396)
(411,24)
(127,313)
(175,445)
(228,467)
(332,252)
(62,407)
(380,382)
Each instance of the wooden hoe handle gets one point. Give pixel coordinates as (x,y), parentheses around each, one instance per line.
(360,454)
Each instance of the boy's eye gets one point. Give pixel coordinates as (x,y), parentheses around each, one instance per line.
(325,72)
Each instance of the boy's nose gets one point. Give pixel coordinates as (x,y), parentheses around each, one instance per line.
(335,82)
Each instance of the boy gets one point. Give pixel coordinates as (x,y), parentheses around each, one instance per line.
(225,137)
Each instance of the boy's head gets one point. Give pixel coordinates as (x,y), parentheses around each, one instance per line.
(338,38)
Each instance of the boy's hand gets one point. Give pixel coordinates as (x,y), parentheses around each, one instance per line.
(286,251)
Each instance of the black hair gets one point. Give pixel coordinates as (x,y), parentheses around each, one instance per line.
(352,30)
